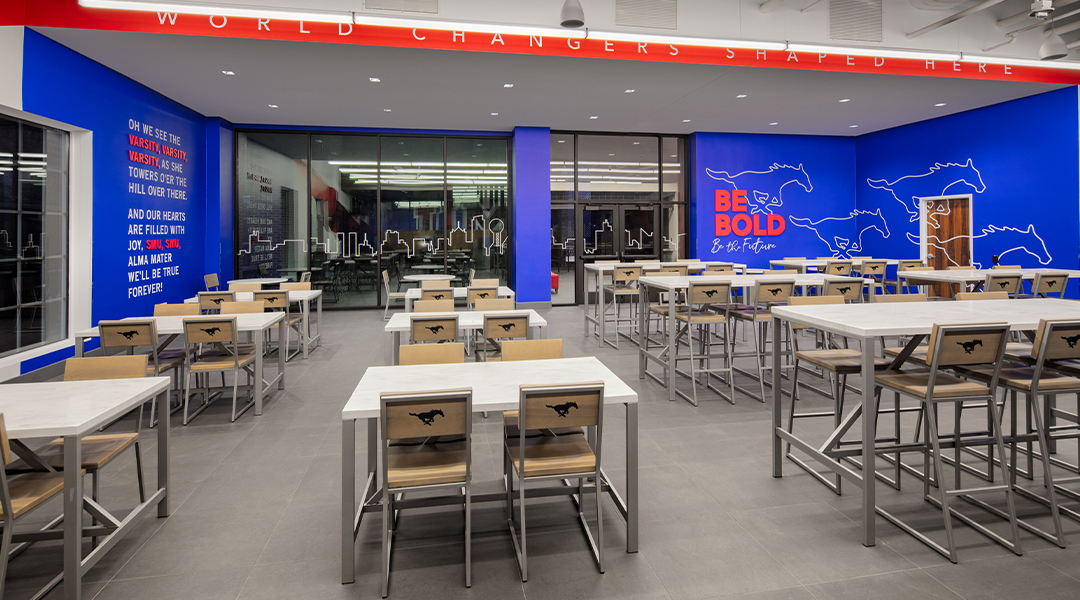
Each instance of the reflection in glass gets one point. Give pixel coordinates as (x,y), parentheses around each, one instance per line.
(412,174)
(563,261)
(477,189)
(272,219)
(618,168)
(673,156)
(598,240)
(638,227)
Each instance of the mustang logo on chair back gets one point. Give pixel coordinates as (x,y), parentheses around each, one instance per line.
(217,300)
(435,329)
(271,299)
(1003,284)
(507,326)
(710,293)
(970,346)
(128,334)
(875,267)
(1071,340)
(844,289)
(775,291)
(1050,283)
(211,331)
(437,296)
(482,294)
(562,409)
(628,273)
(427,418)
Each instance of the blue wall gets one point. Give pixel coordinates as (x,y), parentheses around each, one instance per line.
(1021,171)
(806,180)
(220,170)
(61,84)
(532,214)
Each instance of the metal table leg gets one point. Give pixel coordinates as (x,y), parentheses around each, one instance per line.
(73,517)
(348,499)
(259,388)
(164,431)
(869,416)
(283,333)
(632,477)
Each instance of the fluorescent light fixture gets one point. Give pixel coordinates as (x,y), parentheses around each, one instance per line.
(352,162)
(594,117)
(508,85)
(386,110)
(637,143)
(773,123)
(1019,62)
(842,100)
(686,120)
(272,105)
(629,36)
(741,96)
(494,114)
(228,73)
(940,104)
(473,26)
(629,92)
(224,10)
(852,126)
(29,155)
(562,141)
(882,52)
(374,79)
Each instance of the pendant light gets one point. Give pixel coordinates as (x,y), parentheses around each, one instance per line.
(1053,48)
(572,14)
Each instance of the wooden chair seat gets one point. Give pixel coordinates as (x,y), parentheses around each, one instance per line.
(1020,377)
(1019,351)
(164,364)
(429,464)
(510,423)
(843,361)
(747,314)
(294,320)
(700,316)
(918,355)
(28,491)
(621,290)
(219,362)
(914,383)
(170,354)
(662,309)
(97,451)
(559,455)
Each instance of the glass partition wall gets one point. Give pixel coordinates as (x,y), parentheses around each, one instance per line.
(409,206)
(614,197)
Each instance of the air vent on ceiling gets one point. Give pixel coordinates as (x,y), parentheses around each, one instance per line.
(855,20)
(655,14)
(416,6)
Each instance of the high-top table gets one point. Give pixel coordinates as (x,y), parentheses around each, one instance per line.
(966,277)
(802,264)
(459,292)
(670,285)
(594,277)
(304,298)
(468,321)
(255,323)
(72,410)
(495,387)
(867,322)
(263,281)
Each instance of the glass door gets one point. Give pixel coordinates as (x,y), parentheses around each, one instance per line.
(639,225)
(563,255)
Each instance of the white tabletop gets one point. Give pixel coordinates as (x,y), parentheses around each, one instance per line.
(495,384)
(975,275)
(918,318)
(427,267)
(800,279)
(175,325)
(259,280)
(655,266)
(294,296)
(460,292)
(428,277)
(821,262)
(59,408)
(467,319)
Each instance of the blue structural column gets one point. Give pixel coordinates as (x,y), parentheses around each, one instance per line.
(220,169)
(531,236)
(692,250)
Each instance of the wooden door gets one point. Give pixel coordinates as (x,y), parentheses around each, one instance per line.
(948,236)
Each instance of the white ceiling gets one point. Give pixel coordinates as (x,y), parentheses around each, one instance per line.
(327,85)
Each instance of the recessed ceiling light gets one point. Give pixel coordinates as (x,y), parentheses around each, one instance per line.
(940,104)
(741,96)
(404,153)
(272,105)
(562,141)
(374,79)
(673,156)
(686,120)
(852,126)
(637,143)
(494,114)
(508,85)
(773,123)
(845,99)
(227,73)
(594,117)
(629,92)
(612,154)
(386,110)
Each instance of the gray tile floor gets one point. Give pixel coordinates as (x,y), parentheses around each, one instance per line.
(256,512)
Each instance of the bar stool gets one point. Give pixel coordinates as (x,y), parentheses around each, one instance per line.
(766,295)
(624,285)
(709,304)
(954,346)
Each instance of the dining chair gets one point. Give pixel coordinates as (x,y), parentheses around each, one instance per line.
(902,266)
(681,270)
(722,268)
(1047,285)
(767,293)
(211,282)
(624,285)
(425,467)
(561,457)
(176,310)
(478,292)
(278,301)
(222,335)
(432,283)
(838,267)
(432,354)
(968,296)
(130,334)
(390,295)
(708,305)
(484,283)
(483,304)
(420,306)
(245,287)
(1010,284)
(440,329)
(295,286)
(498,327)
(210,302)
(305,277)
(444,293)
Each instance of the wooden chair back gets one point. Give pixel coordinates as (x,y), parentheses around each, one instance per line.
(211,281)
(427,414)
(493,304)
(908,264)
(484,283)
(5,453)
(688,260)
(848,289)
(305,277)
(967,344)
(838,267)
(682,270)
(772,292)
(710,293)
(296,286)
(245,287)
(443,293)
(213,300)
(554,406)
(176,310)
(127,334)
(605,262)
(626,273)
(432,354)
(506,326)
(105,367)
(421,306)
(966,296)
(434,329)
(647,260)
(432,283)
(900,298)
(729,268)
(274,300)
(1046,284)
(1002,283)
(211,331)
(873,268)
(1057,339)
(386,280)
(476,292)
(242,308)
(1006,267)
(531,349)
(960,268)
